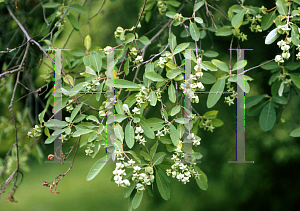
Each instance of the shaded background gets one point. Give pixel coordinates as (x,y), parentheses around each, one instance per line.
(271,183)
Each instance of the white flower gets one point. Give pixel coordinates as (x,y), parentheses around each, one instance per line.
(281,43)
(180,176)
(200,85)
(278,58)
(136,110)
(285,47)
(286,55)
(139,130)
(191,136)
(140,187)
(136,168)
(199,74)
(126,182)
(159,134)
(131,162)
(126,108)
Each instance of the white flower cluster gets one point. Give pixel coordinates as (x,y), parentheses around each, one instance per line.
(298,54)
(163,132)
(195,140)
(162,8)
(284,45)
(195,85)
(119,171)
(179,170)
(35,132)
(207,125)
(166,57)
(142,96)
(142,178)
(139,136)
(230,99)
(91,86)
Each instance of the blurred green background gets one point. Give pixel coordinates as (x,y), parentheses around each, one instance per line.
(271,183)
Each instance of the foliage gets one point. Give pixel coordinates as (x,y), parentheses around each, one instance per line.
(147,150)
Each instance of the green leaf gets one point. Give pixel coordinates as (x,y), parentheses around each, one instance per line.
(54,123)
(174,135)
(126,67)
(239,64)
(119,132)
(96,168)
(211,54)
(119,107)
(137,199)
(51,5)
(217,122)
(154,121)
(253,111)
(170,14)
(76,89)
(282,7)
(198,20)
(175,110)
(172,93)
(129,38)
(75,111)
(153,149)
(173,73)
(145,155)
(238,19)
(79,118)
(162,184)
(147,130)
(82,132)
(171,65)
(267,20)
(152,98)
(173,3)
(154,76)
(210,114)
(88,72)
(280,100)
(253,100)
(267,117)
(158,158)
(271,37)
(73,21)
(182,121)
(194,31)
(50,139)
(96,61)
(172,41)
(121,83)
(207,78)
(78,8)
(129,135)
(181,47)
(270,66)
(87,42)
(128,190)
(145,40)
(295,35)
(215,93)
(202,179)
(119,118)
(224,31)
(296,80)
(198,6)
(221,65)
(297,1)
(295,133)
